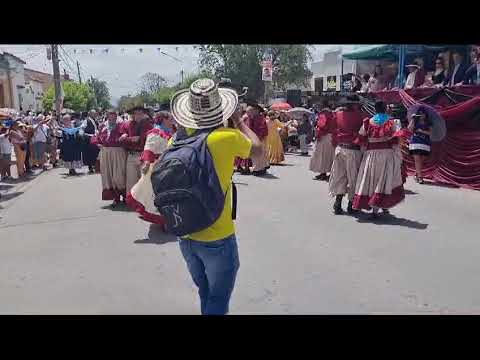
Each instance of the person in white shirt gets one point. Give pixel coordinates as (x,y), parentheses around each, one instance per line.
(5,154)
(39,140)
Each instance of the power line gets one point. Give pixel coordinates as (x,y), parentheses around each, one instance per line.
(82,70)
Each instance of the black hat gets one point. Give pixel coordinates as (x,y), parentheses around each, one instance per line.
(164,107)
(254,104)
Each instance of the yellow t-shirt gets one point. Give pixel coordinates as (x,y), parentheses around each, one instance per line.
(225,144)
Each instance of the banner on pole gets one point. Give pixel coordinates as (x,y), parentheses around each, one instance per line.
(267,71)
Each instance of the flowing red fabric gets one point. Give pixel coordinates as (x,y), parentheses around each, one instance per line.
(456,159)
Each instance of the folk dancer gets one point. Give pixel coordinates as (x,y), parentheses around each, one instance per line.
(140,198)
(113,159)
(134,135)
(273,142)
(71,145)
(322,158)
(348,155)
(379,182)
(90,151)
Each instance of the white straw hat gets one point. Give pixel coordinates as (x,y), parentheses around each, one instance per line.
(204,105)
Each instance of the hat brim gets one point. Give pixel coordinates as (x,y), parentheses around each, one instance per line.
(184,116)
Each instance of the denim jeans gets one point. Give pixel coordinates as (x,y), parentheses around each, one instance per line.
(213,267)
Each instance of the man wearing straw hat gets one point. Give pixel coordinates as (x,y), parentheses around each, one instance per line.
(211,254)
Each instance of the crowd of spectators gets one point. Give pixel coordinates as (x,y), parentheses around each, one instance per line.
(458,73)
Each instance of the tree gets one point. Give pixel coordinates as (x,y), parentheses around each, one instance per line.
(127,102)
(101,93)
(161,96)
(77,96)
(242,64)
(151,83)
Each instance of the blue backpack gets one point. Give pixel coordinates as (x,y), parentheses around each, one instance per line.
(186,186)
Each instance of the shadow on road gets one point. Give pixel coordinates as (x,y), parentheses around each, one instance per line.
(390,220)
(5,187)
(68,176)
(268,176)
(410,192)
(282,164)
(6,197)
(117,207)
(157,236)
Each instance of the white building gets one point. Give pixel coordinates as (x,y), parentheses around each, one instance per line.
(328,71)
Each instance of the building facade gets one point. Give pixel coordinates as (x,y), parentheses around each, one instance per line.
(20,88)
(12,81)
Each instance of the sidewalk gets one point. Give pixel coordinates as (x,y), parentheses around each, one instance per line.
(15,186)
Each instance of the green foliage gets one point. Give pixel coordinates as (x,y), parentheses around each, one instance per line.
(77,96)
(161,96)
(242,64)
(101,94)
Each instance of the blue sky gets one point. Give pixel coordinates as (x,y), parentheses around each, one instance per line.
(121,69)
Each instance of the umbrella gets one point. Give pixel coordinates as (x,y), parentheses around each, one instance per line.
(281,106)
(299,111)
(439,129)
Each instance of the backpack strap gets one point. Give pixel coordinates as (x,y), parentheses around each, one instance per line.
(234,201)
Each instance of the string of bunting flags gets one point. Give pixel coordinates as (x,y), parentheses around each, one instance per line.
(107,50)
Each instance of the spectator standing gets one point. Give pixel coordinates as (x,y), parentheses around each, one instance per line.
(211,254)
(39,141)
(5,153)
(17,138)
(304,130)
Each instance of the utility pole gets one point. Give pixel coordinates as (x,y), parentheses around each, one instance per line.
(78,70)
(56,80)
(181,74)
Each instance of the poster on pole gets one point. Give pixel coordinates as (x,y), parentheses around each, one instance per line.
(267,71)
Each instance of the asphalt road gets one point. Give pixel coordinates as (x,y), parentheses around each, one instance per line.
(63,252)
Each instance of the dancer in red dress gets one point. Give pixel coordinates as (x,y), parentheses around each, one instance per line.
(113,159)
(140,198)
(379,180)
(322,158)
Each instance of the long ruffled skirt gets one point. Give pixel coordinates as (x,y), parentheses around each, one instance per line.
(379,181)
(113,165)
(141,197)
(322,158)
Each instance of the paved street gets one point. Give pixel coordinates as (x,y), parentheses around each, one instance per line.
(62,251)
